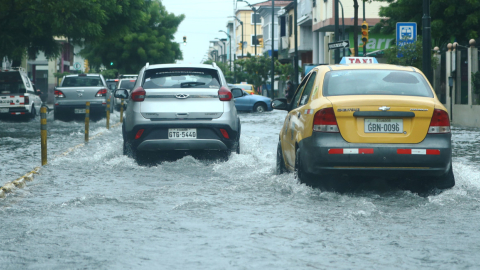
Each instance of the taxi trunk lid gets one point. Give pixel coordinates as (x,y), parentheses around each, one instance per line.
(383,119)
(182,104)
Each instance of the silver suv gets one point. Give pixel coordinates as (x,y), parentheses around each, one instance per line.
(180,107)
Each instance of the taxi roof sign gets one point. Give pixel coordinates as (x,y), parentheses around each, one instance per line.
(358,60)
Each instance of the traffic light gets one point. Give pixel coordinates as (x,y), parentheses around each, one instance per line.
(85,64)
(240,46)
(184,40)
(364,32)
(111,63)
(260,42)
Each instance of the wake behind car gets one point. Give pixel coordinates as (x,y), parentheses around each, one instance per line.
(75,90)
(180,108)
(366,119)
(17,94)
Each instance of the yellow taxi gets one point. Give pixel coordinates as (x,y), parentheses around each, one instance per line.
(249,88)
(363,118)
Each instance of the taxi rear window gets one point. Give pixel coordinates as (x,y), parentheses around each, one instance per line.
(375,82)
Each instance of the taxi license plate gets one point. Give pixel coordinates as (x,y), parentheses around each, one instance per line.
(383,125)
(182,133)
(80,110)
(4,110)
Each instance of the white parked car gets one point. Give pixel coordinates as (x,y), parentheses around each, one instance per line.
(17,94)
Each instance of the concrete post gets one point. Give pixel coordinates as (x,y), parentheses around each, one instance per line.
(321,48)
(472,68)
(448,62)
(315,48)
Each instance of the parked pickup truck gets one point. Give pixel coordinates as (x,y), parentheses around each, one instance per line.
(17,94)
(74,92)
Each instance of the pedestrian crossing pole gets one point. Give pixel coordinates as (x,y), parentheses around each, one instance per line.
(43,133)
(108,113)
(87,120)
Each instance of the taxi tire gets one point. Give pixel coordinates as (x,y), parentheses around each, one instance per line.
(280,164)
(300,174)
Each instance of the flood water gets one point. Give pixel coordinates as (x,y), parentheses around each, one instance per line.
(94,208)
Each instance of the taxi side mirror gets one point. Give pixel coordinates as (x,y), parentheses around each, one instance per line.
(280,104)
(121,93)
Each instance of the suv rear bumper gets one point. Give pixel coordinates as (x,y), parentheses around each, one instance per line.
(155,137)
(381,159)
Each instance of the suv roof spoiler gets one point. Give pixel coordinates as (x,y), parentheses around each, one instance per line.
(214,64)
(147,64)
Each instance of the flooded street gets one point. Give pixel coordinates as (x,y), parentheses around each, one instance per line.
(95,208)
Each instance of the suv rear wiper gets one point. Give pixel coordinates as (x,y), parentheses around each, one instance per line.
(190,84)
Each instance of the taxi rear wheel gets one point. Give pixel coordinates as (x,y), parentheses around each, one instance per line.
(280,166)
(300,173)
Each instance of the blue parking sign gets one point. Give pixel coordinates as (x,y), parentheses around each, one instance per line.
(406,33)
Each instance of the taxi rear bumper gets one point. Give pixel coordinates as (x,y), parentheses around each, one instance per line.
(329,153)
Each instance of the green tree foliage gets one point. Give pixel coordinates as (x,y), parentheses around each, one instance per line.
(256,69)
(32,25)
(412,55)
(152,41)
(459,19)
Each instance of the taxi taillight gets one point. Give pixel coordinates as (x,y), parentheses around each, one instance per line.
(325,121)
(224,94)
(138,94)
(440,122)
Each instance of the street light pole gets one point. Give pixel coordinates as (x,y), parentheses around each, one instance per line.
(427,41)
(273,48)
(230,49)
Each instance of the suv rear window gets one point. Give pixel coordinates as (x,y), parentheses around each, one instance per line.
(375,82)
(181,78)
(84,81)
(11,83)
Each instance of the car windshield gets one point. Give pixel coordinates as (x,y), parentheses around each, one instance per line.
(375,82)
(11,83)
(127,84)
(181,78)
(82,81)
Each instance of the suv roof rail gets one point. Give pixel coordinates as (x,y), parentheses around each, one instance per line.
(147,64)
(214,64)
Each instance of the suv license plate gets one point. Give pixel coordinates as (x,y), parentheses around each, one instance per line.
(80,110)
(182,133)
(383,125)
(4,110)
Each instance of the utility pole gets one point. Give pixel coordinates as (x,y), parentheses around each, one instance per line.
(337,52)
(295,33)
(255,28)
(427,41)
(273,48)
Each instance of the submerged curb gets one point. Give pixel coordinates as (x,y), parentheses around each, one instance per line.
(21,181)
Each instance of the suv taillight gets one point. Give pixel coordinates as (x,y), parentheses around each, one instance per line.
(138,94)
(101,93)
(58,94)
(325,121)
(440,122)
(224,94)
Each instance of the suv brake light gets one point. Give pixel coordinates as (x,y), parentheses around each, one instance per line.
(101,93)
(325,121)
(224,94)
(58,94)
(440,122)
(138,94)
